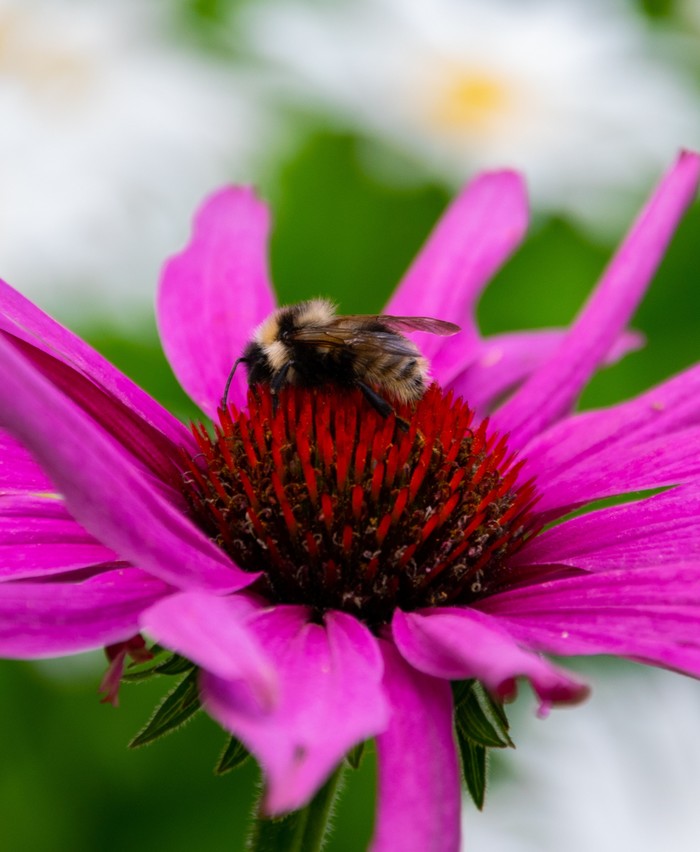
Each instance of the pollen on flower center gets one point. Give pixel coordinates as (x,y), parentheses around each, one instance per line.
(342,509)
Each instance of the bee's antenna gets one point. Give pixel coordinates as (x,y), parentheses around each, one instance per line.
(224,398)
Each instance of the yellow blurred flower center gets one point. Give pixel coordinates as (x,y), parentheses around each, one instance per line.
(32,57)
(471,100)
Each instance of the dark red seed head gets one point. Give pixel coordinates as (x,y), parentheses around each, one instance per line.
(342,509)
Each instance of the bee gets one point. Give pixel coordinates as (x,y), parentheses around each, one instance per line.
(309,345)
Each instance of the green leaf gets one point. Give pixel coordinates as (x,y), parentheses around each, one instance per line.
(233,756)
(473,758)
(354,756)
(177,707)
(479,717)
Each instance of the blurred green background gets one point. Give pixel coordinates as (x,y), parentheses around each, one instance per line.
(67,781)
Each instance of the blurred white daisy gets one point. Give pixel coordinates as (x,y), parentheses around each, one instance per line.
(111,132)
(621,773)
(582,96)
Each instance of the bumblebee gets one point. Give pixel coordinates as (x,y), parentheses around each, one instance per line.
(309,345)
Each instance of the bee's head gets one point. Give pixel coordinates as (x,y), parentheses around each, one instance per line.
(267,352)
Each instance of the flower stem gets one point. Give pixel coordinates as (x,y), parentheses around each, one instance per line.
(300,831)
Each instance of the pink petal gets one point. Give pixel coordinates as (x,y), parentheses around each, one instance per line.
(38,537)
(458,643)
(649,614)
(52,619)
(330,699)
(551,392)
(18,470)
(662,528)
(472,239)
(214,293)
(21,318)
(418,802)
(664,410)
(506,360)
(211,632)
(102,489)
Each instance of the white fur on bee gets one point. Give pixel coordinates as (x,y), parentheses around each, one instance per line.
(266,333)
(276,353)
(315,312)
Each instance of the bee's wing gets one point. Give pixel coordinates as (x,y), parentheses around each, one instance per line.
(429,324)
(356,338)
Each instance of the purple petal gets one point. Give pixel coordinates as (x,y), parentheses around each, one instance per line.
(619,470)
(474,237)
(102,489)
(38,537)
(418,802)
(211,632)
(664,410)
(662,528)
(214,293)
(506,360)
(18,470)
(650,614)
(330,699)
(551,392)
(21,318)
(52,619)
(457,643)
(148,446)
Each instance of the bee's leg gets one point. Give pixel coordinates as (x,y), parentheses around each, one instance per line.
(277,382)
(379,404)
(224,398)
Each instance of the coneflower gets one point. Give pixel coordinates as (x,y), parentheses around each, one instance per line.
(322,576)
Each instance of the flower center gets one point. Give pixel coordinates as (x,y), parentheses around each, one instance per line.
(341,508)
(471,99)
(52,69)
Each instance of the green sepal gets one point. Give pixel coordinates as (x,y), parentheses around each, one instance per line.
(174,664)
(479,716)
(354,756)
(497,709)
(139,675)
(234,755)
(304,830)
(274,834)
(142,671)
(473,759)
(175,709)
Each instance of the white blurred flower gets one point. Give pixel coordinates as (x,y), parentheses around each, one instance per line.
(110,134)
(620,773)
(689,13)
(577,94)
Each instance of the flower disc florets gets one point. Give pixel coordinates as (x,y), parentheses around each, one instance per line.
(341,508)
